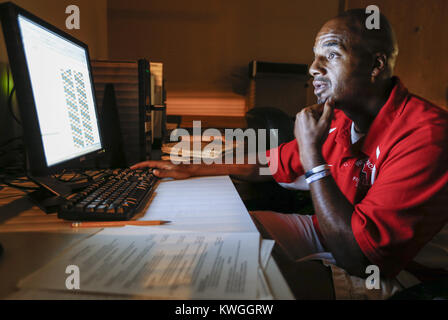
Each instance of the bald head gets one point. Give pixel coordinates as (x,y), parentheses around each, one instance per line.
(366,41)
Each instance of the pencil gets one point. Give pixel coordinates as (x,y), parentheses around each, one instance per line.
(106,224)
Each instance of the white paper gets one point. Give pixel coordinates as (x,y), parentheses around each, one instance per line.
(159,265)
(263,290)
(209,204)
(265,251)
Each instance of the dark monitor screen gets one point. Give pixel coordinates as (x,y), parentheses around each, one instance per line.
(55,91)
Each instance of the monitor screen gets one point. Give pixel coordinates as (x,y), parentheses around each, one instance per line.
(63,93)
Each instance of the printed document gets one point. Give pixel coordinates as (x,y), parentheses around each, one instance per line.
(208,204)
(170,265)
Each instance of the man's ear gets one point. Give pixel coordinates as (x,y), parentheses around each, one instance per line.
(379,65)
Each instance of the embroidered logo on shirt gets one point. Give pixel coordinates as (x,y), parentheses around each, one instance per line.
(366,175)
(359,163)
(363,182)
(368,172)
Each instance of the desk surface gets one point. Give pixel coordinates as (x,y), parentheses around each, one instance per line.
(31,238)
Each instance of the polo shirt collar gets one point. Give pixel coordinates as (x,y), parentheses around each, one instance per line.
(385,117)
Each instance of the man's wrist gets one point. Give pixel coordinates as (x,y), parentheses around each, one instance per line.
(312,159)
(190,169)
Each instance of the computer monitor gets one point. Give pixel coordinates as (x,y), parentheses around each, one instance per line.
(54,86)
(55,92)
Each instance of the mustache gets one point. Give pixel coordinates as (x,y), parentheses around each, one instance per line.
(321,79)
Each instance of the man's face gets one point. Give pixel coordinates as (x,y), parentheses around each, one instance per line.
(338,70)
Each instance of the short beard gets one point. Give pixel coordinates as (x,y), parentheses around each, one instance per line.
(321,100)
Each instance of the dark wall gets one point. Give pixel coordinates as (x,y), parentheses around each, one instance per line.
(206,45)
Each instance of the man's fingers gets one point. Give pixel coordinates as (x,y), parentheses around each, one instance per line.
(327,114)
(151,164)
(162,173)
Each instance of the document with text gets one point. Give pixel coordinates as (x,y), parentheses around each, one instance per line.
(210,204)
(158,265)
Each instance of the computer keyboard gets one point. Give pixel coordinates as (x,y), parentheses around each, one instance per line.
(119,195)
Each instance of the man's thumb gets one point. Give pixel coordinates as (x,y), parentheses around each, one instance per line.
(160,173)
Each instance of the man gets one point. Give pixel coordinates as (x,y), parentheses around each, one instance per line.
(375,158)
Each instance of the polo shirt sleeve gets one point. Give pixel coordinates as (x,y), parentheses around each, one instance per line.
(284,162)
(406,206)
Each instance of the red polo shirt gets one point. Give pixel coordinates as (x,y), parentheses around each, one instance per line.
(395,177)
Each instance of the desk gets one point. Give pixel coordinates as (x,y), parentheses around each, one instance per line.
(31,238)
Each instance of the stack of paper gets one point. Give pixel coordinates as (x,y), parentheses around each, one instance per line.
(207,148)
(159,265)
(210,251)
(137,263)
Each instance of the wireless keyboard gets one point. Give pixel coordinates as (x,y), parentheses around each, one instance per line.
(117,196)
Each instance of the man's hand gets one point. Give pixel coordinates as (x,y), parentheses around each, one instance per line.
(166,169)
(311,130)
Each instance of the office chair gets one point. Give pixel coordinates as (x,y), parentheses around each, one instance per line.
(271,118)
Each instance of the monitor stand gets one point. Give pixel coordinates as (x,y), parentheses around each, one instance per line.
(53,193)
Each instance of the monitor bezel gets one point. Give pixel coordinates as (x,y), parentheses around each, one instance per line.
(36,161)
